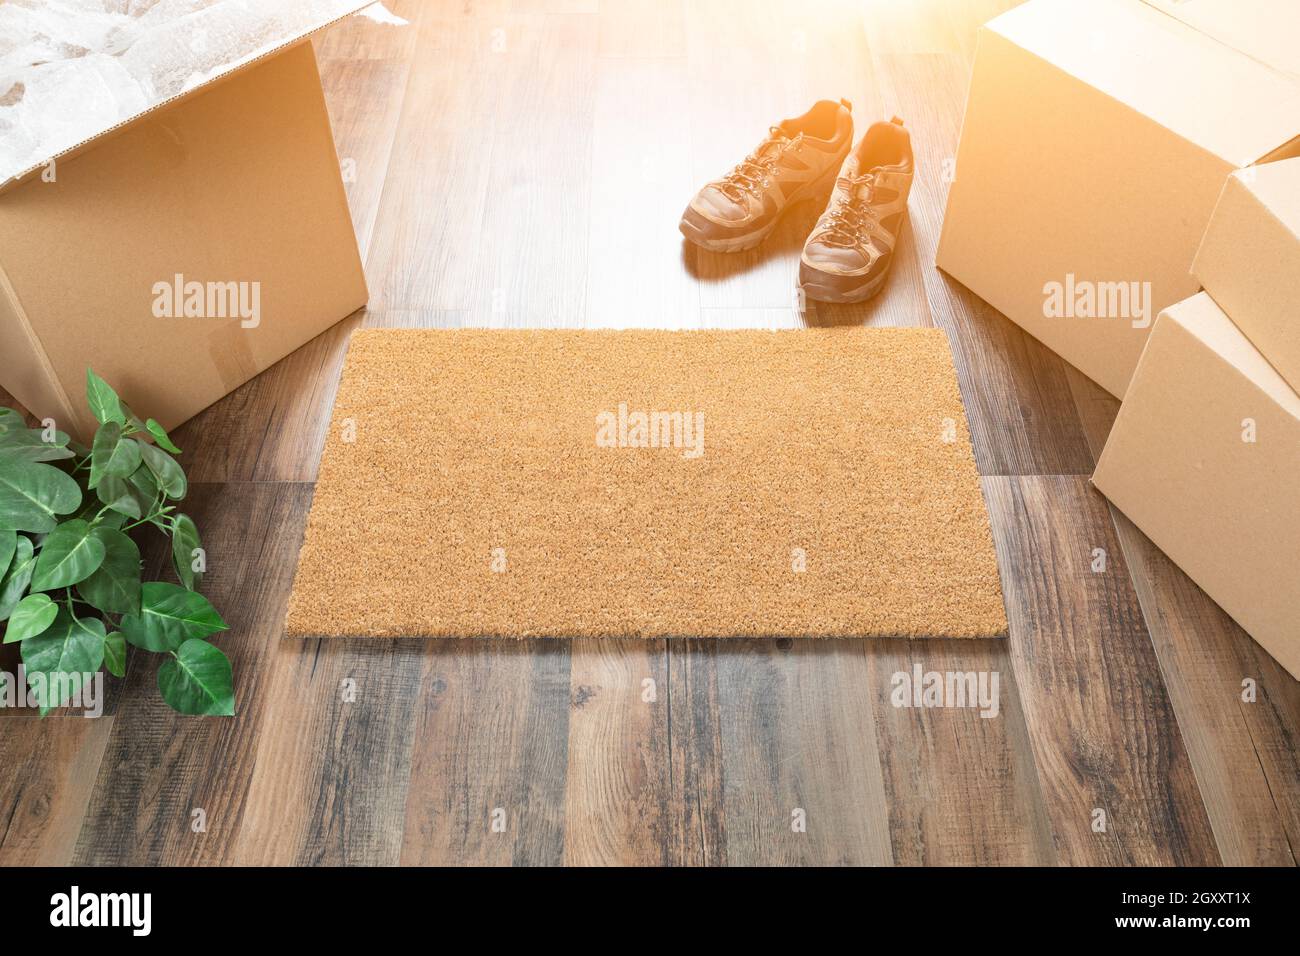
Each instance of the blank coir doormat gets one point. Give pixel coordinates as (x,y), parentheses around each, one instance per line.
(811,483)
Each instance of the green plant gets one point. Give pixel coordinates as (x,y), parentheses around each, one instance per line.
(70,574)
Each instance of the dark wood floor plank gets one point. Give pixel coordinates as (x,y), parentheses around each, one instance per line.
(1244,752)
(697,826)
(618,808)
(799,750)
(488,768)
(160,767)
(962,789)
(334,754)
(1103,729)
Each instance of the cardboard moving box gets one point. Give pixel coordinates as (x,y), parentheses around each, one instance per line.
(1097,137)
(1249,260)
(181,252)
(1204,457)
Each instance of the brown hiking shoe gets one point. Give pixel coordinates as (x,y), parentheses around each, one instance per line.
(848,255)
(797,161)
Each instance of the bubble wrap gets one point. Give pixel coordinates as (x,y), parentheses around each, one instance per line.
(70,69)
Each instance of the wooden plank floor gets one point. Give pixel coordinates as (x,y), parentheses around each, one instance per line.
(524,162)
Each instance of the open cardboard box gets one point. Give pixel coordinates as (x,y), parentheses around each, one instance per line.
(1204,458)
(1249,260)
(184,250)
(1097,137)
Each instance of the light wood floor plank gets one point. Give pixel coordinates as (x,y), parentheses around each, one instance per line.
(488,768)
(617,807)
(801,773)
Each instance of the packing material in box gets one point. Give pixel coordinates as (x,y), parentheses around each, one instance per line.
(184,227)
(1097,136)
(1249,260)
(1204,457)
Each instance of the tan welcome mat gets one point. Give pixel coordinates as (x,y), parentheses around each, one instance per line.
(813,483)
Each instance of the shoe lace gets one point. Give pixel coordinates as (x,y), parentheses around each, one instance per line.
(755,171)
(850,210)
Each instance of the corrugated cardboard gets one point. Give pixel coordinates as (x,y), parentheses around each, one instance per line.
(1096,139)
(1264,30)
(236,182)
(1249,260)
(1204,458)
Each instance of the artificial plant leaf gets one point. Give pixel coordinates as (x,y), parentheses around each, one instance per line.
(70,554)
(198,681)
(32,494)
(115,585)
(112,455)
(185,541)
(33,615)
(115,654)
(14,583)
(8,545)
(65,656)
(117,494)
(133,422)
(160,436)
(103,401)
(11,420)
(169,616)
(166,472)
(29,444)
(144,489)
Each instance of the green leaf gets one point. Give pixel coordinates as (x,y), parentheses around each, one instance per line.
(30,445)
(112,455)
(8,544)
(14,584)
(167,473)
(160,436)
(103,401)
(33,615)
(31,494)
(11,421)
(198,680)
(185,541)
(118,495)
(72,649)
(115,585)
(133,423)
(169,616)
(115,654)
(70,554)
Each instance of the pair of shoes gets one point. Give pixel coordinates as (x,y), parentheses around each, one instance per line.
(849,252)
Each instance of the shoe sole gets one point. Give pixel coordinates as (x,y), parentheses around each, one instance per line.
(821,288)
(749,240)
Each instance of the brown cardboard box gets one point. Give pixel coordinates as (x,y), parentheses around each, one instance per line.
(1097,136)
(1249,260)
(1204,458)
(230,192)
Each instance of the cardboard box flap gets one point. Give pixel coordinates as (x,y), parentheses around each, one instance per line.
(223,38)
(1187,81)
(1200,316)
(1264,30)
(1277,186)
